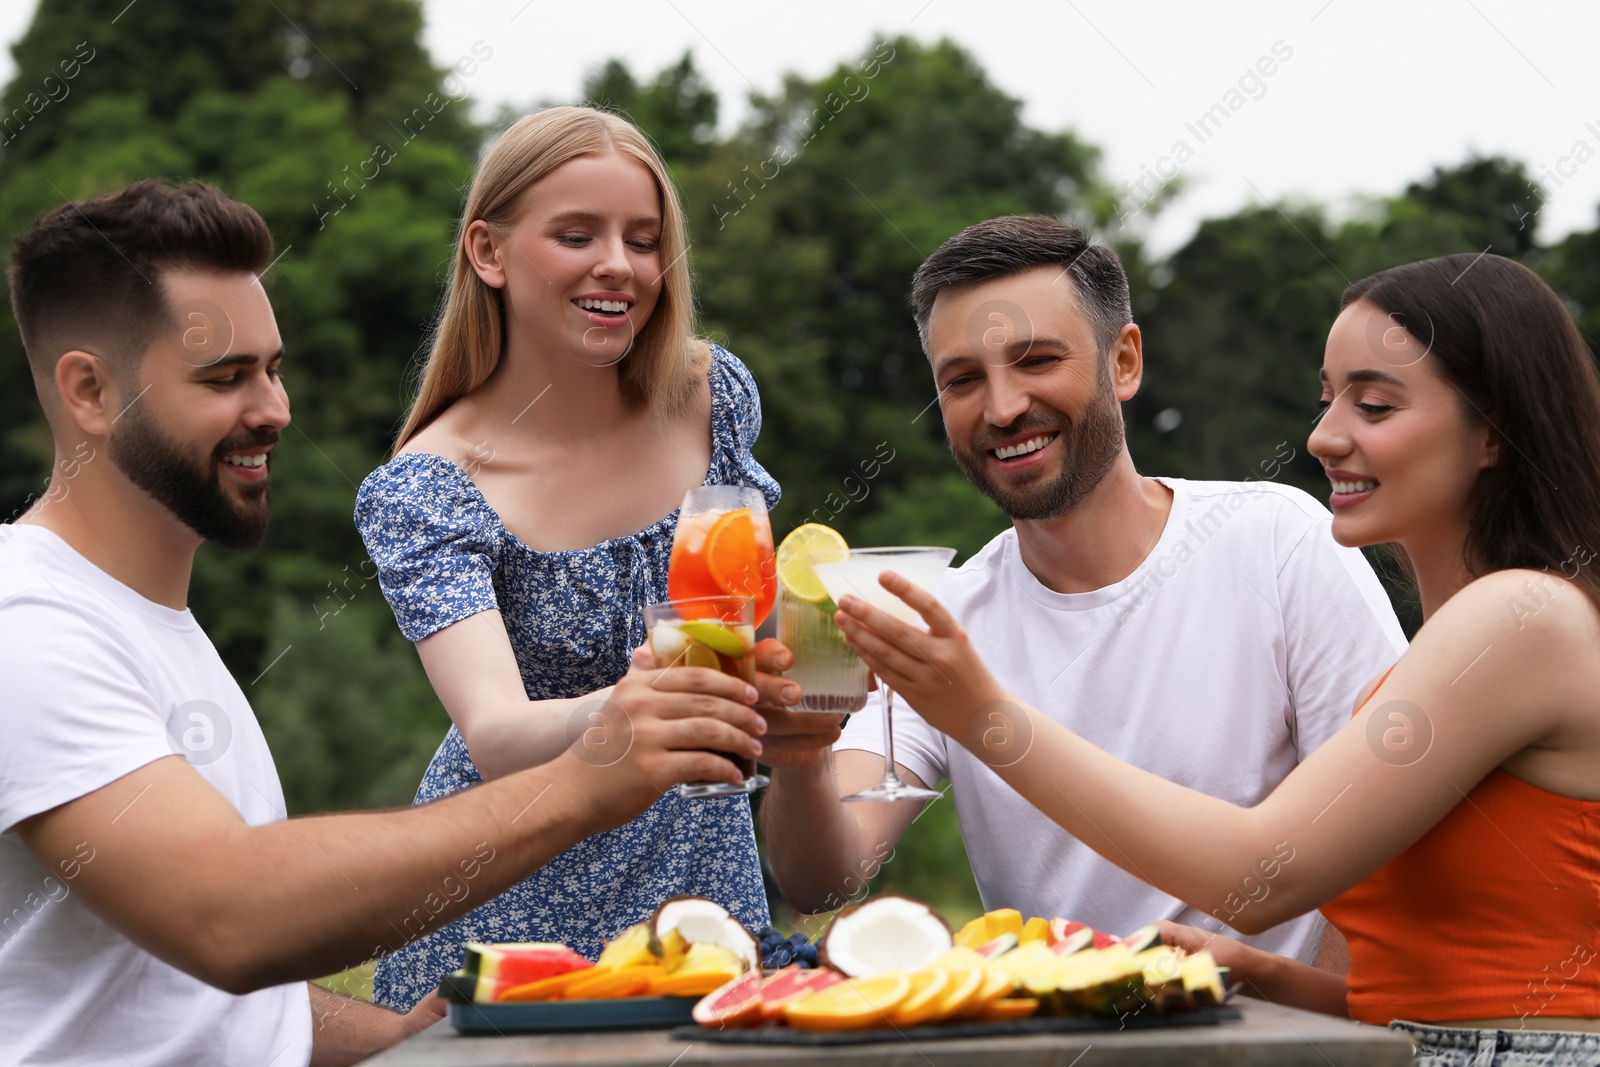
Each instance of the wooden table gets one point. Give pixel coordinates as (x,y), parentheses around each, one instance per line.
(1268,1036)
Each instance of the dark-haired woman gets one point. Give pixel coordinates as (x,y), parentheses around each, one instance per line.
(1451,831)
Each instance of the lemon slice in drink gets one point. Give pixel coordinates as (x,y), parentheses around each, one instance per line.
(794,560)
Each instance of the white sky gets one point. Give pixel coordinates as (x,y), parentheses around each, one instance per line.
(1376,92)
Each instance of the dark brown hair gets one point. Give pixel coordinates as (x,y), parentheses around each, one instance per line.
(1012,244)
(1503,338)
(86,275)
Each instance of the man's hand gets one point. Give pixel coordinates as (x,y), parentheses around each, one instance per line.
(659,728)
(937,670)
(345,1030)
(793,738)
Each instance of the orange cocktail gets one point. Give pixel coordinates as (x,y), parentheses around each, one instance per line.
(723,547)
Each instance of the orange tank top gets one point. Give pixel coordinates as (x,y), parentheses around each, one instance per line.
(1494,913)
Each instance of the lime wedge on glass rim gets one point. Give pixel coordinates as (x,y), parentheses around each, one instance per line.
(794,561)
(728,640)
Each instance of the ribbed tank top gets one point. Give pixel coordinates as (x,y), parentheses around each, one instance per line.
(1494,913)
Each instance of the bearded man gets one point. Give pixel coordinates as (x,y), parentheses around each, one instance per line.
(1210,632)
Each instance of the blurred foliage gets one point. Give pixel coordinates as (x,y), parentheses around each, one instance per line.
(808,221)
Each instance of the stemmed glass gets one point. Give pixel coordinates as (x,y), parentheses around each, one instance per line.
(855,571)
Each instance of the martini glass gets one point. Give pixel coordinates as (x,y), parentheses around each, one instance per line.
(855,572)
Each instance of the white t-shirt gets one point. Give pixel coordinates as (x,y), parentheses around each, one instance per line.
(98,681)
(1234,650)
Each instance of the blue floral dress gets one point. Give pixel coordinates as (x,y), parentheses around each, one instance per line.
(574,618)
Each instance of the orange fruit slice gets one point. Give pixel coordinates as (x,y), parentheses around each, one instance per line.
(996,984)
(965,985)
(1009,1009)
(854,1004)
(546,988)
(922,1004)
(739,558)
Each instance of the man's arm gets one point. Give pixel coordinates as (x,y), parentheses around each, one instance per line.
(823,852)
(244,907)
(345,1030)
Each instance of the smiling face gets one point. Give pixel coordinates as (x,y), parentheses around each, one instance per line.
(1398,442)
(205,409)
(580,268)
(1030,406)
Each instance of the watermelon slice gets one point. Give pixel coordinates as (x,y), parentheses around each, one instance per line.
(496,968)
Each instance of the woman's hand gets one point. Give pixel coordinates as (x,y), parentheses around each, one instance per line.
(1237,956)
(937,671)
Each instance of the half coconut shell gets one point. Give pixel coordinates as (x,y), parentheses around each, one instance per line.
(702,921)
(887,933)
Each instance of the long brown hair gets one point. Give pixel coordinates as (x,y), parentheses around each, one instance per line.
(1503,338)
(467,342)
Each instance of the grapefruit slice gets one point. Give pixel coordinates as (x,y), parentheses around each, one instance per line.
(733,1004)
(792,984)
(854,1004)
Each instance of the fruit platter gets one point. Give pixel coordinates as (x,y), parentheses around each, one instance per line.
(884,967)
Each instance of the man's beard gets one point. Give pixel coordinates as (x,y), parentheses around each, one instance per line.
(195,495)
(1089,448)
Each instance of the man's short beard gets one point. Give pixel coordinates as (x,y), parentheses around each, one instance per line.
(1090,446)
(156,464)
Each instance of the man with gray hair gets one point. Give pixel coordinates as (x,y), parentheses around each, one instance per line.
(1210,632)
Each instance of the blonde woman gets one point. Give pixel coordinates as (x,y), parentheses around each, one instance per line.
(527,516)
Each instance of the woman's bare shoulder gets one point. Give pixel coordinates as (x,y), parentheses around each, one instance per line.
(447,436)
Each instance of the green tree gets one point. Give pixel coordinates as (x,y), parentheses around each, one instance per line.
(360,188)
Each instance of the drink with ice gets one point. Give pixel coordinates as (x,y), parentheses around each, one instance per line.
(716,633)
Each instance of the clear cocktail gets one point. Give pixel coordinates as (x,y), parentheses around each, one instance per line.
(854,572)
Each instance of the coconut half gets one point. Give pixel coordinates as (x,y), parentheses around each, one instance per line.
(702,921)
(887,933)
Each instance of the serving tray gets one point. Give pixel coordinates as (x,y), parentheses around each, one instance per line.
(1039,1024)
(559,1016)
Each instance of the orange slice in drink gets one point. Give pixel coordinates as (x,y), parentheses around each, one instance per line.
(739,559)
(854,1004)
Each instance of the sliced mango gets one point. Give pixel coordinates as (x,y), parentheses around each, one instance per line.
(628,982)
(546,988)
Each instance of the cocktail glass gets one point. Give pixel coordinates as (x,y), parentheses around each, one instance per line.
(831,676)
(717,633)
(723,547)
(855,572)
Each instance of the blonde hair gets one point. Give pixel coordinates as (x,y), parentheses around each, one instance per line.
(467,342)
